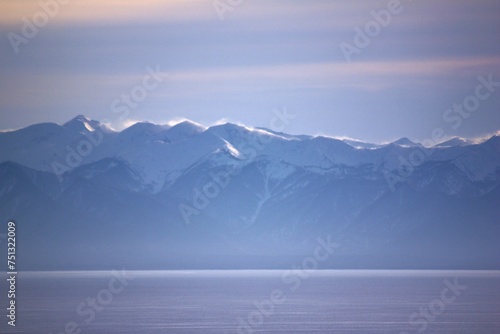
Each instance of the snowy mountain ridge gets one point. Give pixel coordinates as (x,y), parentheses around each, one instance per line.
(159,152)
(234,196)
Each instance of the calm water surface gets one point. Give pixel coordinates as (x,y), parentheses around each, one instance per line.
(255,302)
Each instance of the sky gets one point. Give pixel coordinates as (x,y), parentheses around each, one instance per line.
(372,70)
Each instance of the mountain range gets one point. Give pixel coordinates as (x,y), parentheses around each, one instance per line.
(85,196)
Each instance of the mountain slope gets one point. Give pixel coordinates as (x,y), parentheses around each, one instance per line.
(232,196)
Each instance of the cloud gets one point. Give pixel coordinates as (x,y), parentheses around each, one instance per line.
(106,12)
(48,89)
(368,75)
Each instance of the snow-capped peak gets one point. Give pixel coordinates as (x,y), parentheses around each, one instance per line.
(184,130)
(455,141)
(405,142)
(82,124)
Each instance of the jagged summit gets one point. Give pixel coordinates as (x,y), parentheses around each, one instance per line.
(78,118)
(185,129)
(455,141)
(82,124)
(405,142)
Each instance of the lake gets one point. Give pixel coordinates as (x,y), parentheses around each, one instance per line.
(255,301)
